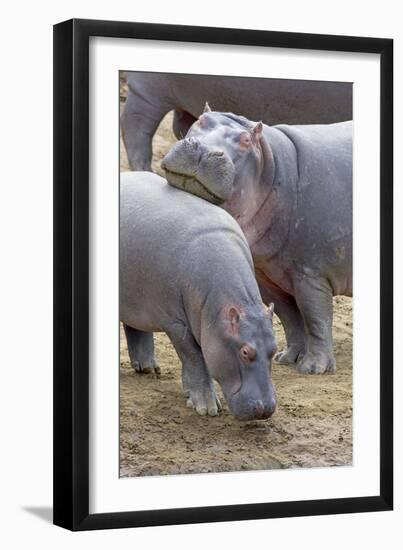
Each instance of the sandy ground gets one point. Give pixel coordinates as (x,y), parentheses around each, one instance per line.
(312,426)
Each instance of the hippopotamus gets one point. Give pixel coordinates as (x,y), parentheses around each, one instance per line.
(274,101)
(186,269)
(290,189)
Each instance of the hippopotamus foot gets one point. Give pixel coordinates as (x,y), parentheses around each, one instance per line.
(146,368)
(197,383)
(287,311)
(198,387)
(290,355)
(141,350)
(316,364)
(205,402)
(314,298)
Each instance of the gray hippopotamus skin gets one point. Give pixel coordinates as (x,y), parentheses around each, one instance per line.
(186,269)
(290,189)
(274,101)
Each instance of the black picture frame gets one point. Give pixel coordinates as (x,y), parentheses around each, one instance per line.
(71,274)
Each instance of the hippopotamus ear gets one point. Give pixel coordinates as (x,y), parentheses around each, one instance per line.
(234,317)
(207,108)
(257,131)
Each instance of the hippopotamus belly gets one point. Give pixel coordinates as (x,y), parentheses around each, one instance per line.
(320,232)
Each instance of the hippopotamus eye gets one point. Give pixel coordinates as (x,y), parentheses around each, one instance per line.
(247,353)
(245,141)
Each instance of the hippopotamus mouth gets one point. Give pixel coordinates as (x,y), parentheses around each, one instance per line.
(192,185)
(203,171)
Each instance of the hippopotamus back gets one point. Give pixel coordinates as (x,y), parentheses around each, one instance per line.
(272,100)
(174,227)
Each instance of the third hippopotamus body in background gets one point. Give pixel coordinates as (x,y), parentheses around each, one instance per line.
(274,101)
(290,189)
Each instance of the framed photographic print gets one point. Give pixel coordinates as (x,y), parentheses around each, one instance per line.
(216,356)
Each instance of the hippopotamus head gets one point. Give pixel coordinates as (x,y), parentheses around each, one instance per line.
(220,154)
(238,354)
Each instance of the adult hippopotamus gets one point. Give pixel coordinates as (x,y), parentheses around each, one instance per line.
(274,101)
(186,269)
(290,189)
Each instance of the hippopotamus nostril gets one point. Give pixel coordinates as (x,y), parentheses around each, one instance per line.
(259,408)
(192,141)
(262,410)
(216,154)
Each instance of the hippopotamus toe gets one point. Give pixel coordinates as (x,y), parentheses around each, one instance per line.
(146,368)
(288,356)
(205,404)
(316,364)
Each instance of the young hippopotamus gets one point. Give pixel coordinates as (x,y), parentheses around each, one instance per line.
(290,189)
(186,269)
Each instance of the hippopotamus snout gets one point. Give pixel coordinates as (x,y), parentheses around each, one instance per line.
(205,170)
(256,399)
(203,150)
(252,409)
(265,411)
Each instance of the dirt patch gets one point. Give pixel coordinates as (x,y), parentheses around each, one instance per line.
(312,426)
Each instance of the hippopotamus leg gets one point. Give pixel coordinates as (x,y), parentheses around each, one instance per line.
(141,350)
(287,310)
(139,121)
(196,381)
(182,122)
(314,297)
